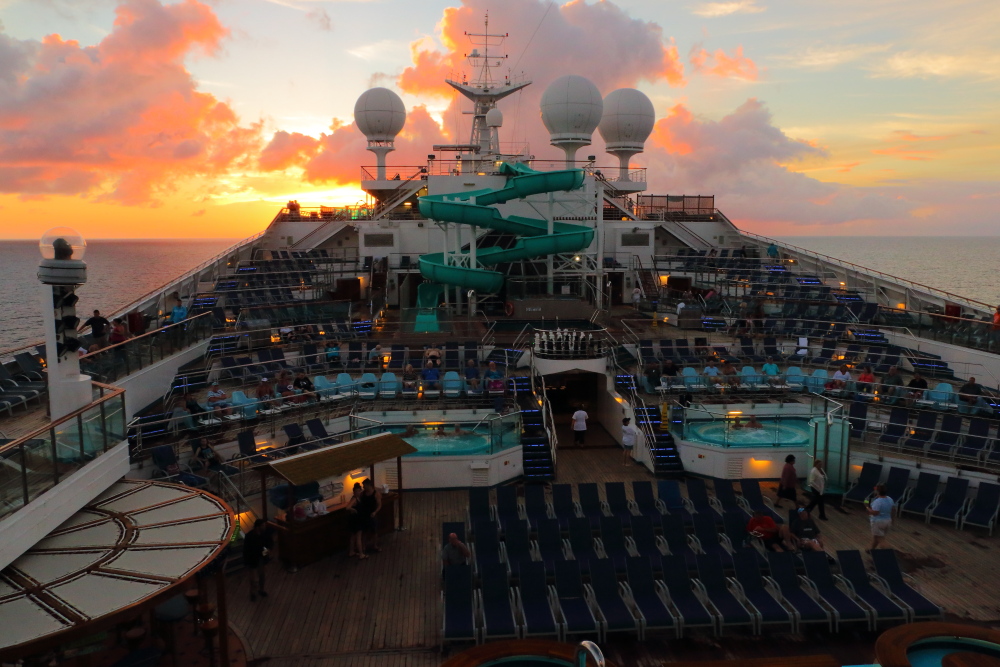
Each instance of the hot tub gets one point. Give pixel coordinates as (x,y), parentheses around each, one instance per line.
(775,433)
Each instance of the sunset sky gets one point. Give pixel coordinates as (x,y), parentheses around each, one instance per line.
(149,118)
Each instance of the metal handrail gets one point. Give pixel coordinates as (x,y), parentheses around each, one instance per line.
(870,272)
(148,334)
(585,649)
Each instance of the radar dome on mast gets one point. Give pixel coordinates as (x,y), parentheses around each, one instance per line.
(571,110)
(494,118)
(380,115)
(627,122)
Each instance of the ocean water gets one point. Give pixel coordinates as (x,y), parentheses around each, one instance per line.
(118,272)
(961,265)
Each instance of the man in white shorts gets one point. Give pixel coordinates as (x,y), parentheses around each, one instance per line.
(880,513)
(579,425)
(629,435)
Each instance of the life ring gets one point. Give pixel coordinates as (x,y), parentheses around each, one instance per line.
(508,308)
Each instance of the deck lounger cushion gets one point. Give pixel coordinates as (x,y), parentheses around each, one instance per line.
(782,568)
(818,572)
(535,506)
(495,597)
(713,580)
(747,569)
(680,587)
(607,595)
(887,567)
(871,473)
(572,600)
(852,567)
(985,507)
(538,618)
(459,621)
(640,580)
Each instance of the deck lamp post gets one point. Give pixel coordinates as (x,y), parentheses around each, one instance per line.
(61,271)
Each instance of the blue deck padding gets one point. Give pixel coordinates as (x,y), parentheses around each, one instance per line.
(459,621)
(487,543)
(569,591)
(538,619)
(498,617)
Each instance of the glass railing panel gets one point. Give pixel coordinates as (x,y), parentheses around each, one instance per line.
(40,469)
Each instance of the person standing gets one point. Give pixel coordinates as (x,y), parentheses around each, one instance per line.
(636,297)
(455,552)
(880,514)
(789,478)
(580,425)
(629,436)
(817,486)
(257,543)
(356,547)
(98,329)
(368,509)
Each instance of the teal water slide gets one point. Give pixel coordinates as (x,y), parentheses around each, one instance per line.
(475,208)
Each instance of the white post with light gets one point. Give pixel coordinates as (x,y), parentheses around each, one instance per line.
(61,270)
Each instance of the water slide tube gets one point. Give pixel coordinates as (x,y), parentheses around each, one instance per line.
(475,208)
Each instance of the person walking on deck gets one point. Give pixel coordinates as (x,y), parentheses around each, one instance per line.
(880,515)
(789,478)
(817,486)
(629,435)
(580,425)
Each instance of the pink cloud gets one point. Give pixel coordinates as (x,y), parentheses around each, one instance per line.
(121,120)
(719,64)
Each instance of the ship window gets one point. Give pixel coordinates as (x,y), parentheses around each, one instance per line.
(633,239)
(379,240)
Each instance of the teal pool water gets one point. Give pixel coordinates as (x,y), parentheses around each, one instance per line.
(931,652)
(784,433)
(449,445)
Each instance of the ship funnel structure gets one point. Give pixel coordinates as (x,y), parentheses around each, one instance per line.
(380,115)
(626,124)
(571,110)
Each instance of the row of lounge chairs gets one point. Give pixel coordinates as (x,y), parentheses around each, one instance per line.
(926,499)
(25,384)
(953,437)
(642,594)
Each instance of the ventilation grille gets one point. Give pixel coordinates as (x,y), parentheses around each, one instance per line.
(379,240)
(480,477)
(392,477)
(734,468)
(635,240)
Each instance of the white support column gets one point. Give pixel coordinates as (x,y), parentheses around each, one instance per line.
(550,287)
(599,233)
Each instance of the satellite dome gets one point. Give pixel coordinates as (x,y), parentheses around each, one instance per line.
(628,119)
(571,109)
(494,118)
(379,114)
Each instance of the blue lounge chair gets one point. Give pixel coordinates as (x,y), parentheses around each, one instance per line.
(388,385)
(243,406)
(581,541)
(892,578)
(479,508)
(452,385)
(613,542)
(165,460)
(691,612)
(397,357)
(946,439)
(486,544)
(698,497)
(755,500)
(669,491)
(692,381)
(985,508)
(645,501)
(496,599)
(326,390)
(644,540)
(817,381)
(953,502)
(754,594)
(727,608)
(562,504)
(533,600)
(320,436)
(845,608)
(896,484)
(864,485)
(517,547)
(923,430)
(899,420)
(924,495)
(648,597)
(710,540)
(346,387)
(571,600)
(605,594)
(795,379)
(590,504)
(855,577)
(858,418)
(507,508)
(618,502)
(677,540)
(785,580)
(974,442)
(459,607)
(726,499)
(535,506)
(550,545)
(368,386)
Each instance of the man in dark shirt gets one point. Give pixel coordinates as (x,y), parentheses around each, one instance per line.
(303,383)
(455,552)
(472,374)
(257,542)
(652,378)
(806,532)
(98,329)
(970,393)
(917,387)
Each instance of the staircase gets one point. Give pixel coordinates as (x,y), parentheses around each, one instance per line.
(535,447)
(503,357)
(662,448)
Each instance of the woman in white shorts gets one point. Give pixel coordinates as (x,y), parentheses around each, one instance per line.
(880,514)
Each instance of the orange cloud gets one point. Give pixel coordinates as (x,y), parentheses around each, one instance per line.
(907,151)
(121,120)
(719,64)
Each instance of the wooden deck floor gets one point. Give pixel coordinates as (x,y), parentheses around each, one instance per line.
(386,610)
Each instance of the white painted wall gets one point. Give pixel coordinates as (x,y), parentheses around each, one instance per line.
(23,529)
(151,383)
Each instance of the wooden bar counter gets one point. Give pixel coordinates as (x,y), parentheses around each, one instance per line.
(303,542)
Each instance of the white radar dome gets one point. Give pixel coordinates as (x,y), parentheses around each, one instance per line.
(571,109)
(628,119)
(494,118)
(379,114)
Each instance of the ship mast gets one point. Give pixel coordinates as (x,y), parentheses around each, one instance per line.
(486,89)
